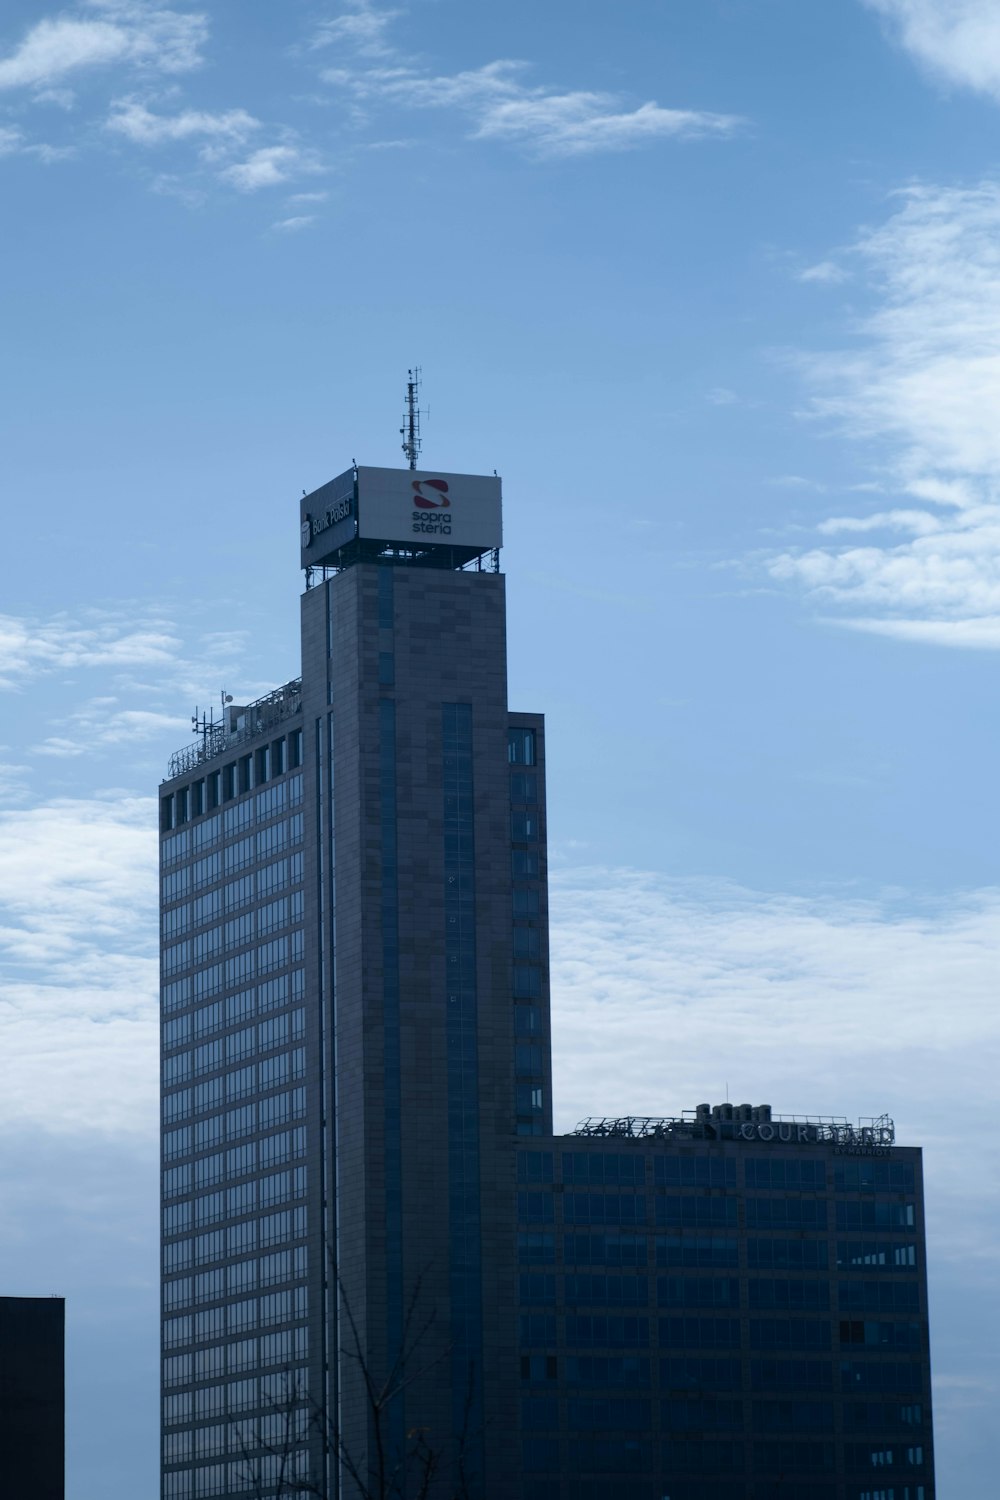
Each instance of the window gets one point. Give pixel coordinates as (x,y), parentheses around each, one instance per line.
(694,1171)
(207,908)
(239,931)
(176,995)
(206,871)
(524,863)
(240,1044)
(524,827)
(272,917)
(177,1143)
(527,981)
(209,1170)
(521,747)
(527,942)
(525,901)
(208,982)
(176,922)
(241,1122)
(241,1315)
(207,1095)
(523,787)
(799,1175)
(295,748)
(237,893)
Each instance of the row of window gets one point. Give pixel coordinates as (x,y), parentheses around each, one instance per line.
(237,1318)
(237,1280)
(620,1247)
(195,989)
(278,1392)
(215,1208)
(248,1041)
(217,1015)
(713,1414)
(211,868)
(761,1213)
(246,1120)
(276,1031)
(636,1455)
(231,780)
(239,930)
(796,1175)
(271,956)
(593,1330)
(277,1431)
(232,1359)
(238,1161)
(257,886)
(250,1476)
(689,1373)
(262,1192)
(276,799)
(274,1072)
(801,1295)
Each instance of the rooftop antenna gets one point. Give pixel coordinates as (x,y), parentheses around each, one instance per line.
(411,417)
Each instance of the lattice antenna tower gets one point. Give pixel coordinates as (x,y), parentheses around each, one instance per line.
(410,429)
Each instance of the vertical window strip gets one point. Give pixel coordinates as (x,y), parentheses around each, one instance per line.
(463,1074)
(391,1054)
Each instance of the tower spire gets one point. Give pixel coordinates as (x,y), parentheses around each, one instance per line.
(411,417)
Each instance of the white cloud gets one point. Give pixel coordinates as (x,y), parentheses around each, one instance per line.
(102,723)
(29,648)
(826,272)
(545,121)
(361,27)
(923,390)
(293,225)
(958,41)
(141,125)
(270,167)
(78,938)
(116,32)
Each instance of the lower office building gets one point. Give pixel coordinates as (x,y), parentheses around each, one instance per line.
(382,1275)
(32,1397)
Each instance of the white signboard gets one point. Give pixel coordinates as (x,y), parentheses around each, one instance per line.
(421,506)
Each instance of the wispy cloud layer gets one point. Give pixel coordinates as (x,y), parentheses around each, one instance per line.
(923,391)
(500,103)
(101,33)
(133,119)
(29,648)
(78,942)
(956,40)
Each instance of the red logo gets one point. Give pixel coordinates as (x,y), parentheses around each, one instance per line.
(430,502)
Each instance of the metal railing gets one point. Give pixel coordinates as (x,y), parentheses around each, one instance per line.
(876,1131)
(238,725)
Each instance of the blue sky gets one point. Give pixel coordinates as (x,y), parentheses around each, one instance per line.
(715,286)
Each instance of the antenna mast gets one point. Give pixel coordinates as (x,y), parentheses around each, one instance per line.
(411,417)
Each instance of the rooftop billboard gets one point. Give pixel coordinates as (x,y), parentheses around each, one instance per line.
(418,508)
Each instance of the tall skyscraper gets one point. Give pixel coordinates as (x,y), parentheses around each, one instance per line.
(382,1275)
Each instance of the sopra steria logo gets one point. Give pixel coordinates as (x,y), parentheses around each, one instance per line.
(431,495)
(435,501)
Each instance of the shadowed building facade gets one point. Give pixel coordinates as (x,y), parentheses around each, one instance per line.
(32,1397)
(381,1274)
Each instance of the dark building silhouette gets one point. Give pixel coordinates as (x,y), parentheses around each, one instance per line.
(32,1397)
(381,1273)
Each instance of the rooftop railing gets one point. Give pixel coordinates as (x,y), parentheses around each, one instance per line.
(239,724)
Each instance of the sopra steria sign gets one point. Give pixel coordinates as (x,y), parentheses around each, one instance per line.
(400,506)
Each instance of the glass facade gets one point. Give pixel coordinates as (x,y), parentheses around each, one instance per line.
(236,1148)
